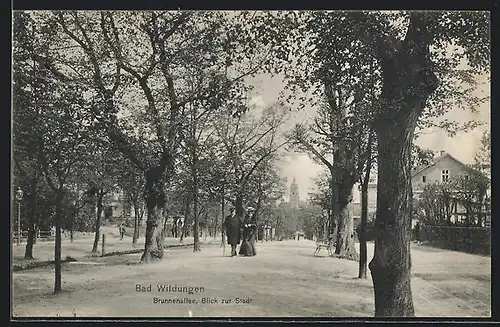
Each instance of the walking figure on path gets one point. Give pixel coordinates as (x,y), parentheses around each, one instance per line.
(417,232)
(247,247)
(232,224)
(174,227)
(122,230)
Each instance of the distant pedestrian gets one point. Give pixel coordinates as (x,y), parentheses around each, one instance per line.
(122,230)
(179,230)
(417,232)
(174,228)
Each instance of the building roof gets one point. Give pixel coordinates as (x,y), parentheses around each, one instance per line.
(421,168)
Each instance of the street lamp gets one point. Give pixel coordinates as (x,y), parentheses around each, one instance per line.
(19,198)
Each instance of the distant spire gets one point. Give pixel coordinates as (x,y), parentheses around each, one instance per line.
(294,194)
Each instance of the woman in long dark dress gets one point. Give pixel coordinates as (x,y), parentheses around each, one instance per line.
(247,247)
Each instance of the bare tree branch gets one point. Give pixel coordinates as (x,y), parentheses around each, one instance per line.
(313,150)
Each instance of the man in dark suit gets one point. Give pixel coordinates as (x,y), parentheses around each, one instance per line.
(232,225)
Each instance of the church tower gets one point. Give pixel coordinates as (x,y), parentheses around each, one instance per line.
(294,194)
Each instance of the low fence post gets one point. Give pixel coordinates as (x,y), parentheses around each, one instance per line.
(103,249)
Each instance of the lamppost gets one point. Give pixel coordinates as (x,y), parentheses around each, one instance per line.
(19,198)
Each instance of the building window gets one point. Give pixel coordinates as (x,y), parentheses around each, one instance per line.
(445,175)
(424,179)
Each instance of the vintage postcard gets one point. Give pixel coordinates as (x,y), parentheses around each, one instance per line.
(236,164)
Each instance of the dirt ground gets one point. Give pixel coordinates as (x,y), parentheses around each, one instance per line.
(283,280)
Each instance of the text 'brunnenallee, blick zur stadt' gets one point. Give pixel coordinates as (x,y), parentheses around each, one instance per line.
(186,295)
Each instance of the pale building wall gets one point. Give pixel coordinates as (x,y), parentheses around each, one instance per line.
(433,173)
(372,197)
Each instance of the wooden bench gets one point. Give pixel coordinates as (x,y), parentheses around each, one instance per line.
(322,243)
(45,235)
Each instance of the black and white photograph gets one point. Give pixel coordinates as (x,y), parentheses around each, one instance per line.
(203,164)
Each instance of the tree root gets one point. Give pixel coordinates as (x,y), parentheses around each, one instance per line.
(353,256)
(38,264)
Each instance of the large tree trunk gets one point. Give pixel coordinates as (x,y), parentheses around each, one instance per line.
(408,80)
(363,251)
(343,207)
(260,226)
(186,216)
(215,226)
(136,224)
(155,234)
(155,223)
(196,225)
(222,229)
(57,248)
(97,226)
(72,226)
(258,208)
(37,230)
(207,230)
(194,175)
(362,234)
(334,221)
(28,253)
(391,263)
(196,228)
(327,228)
(279,233)
(185,231)
(345,232)
(142,210)
(238,203)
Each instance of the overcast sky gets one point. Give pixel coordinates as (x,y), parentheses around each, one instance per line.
(463,146)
